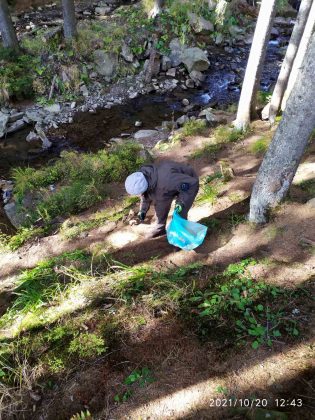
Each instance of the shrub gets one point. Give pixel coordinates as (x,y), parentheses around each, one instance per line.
(87,345)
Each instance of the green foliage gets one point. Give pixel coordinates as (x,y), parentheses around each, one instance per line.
(22,236)
(142,377)
(194,127)
(210,188)
(255,311)
(83,415)
(16,75)
(40,285)
(225,134)
(208,151)
(262,98)
(72,230)
(82,177)
(308,186)
(87,345)
(260,146)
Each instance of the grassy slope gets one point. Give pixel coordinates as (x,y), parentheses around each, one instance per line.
(133,331)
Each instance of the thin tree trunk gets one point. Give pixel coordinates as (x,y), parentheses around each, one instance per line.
(255,63)
(69,19)
(305,40)
(287,64)
(280,163)
(157,8)
(8,34)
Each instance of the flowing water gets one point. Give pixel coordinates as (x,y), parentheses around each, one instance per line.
(90,131)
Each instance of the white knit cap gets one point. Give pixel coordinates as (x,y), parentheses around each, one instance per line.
(136,183)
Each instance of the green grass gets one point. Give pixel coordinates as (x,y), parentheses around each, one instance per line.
(194,127)
(260,146)
(209,151)
(308,186)
(81,179)
(72,230)
(209,189)
(252,312)
(226,134)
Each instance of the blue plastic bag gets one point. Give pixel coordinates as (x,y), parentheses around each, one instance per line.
(184,234)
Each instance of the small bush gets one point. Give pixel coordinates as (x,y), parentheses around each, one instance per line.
(207,151)
(82,178)
(225,134)
(194,127)
(87,345)
(260,146)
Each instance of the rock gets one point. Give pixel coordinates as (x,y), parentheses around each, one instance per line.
(84,91)
(133,95)
(190,83)
(138,123)
(199,24)
(265,112)
(106,63)
(33,116)
(16,116)
(102,11)
(166,63)
(235,31)
(146,155)
(274,32)
(53,109)
(39,129)
(185,102)
(182,120)
(197,76)
(16,126)
(195,59)
(126,53)
(146,134)
(212,116)
(4,119)
(177,50)
(16,218)
(219,39)
(32,136)
(311,203)
(170,84)
(73,105)
(171,72)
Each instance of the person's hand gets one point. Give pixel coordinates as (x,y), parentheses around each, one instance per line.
(141,216)
(178,208)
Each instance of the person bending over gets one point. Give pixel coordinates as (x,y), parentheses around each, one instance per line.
(160,184)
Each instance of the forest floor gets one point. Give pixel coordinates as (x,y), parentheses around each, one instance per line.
(130,328)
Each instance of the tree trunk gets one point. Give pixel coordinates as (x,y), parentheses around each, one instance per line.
(287,64)
(288,144)
(157,8)
(8,34)
(255,63)
(309,28)
(69,19)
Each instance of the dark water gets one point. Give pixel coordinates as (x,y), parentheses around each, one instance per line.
(90,131)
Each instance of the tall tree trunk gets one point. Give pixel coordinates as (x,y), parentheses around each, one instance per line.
(287,64)
(255,63)
(157,8)
(8,34)
(280,163)
(69,19)
(305,40)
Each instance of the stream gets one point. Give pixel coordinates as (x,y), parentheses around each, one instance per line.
(90,131)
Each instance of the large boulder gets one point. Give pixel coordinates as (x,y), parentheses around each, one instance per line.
(106,63)
(149,137)
(126,53)
(4,119)
(195,59)
(177,49)
(199,24)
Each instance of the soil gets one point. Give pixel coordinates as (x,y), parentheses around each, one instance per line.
(188,373)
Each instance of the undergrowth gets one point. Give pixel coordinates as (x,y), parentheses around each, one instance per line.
(115,297)
(81,178)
